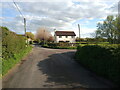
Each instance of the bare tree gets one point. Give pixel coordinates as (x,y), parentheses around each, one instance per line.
(50,39)
(43,34)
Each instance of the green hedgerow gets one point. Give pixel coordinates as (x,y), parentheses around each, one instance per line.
(104,61)
(13,49)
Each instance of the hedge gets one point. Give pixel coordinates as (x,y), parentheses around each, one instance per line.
(55,46)
(103,60)
(13,49)
(11,43)
(9,63)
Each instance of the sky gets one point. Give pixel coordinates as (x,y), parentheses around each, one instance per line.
(62,15)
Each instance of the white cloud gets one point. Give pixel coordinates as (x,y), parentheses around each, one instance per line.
(61,15)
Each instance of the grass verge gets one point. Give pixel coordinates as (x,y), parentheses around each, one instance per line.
(11,62)
(59,47)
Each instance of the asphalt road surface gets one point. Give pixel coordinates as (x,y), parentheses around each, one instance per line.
(52,68)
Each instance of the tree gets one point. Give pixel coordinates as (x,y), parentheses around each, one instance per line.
(109,29)
(30,35)
(117,29)
(51,39)
(43,34)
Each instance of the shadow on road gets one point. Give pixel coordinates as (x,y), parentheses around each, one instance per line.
(63,70)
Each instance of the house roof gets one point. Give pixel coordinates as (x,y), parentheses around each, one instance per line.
(65,33)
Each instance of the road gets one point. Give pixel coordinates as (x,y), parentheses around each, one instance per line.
(52,68)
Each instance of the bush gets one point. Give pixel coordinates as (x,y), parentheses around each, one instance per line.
(64,44)
(104,61)
(59,46)
(13,48)
(30,42)
(11,43)
(52,44)
(10,62)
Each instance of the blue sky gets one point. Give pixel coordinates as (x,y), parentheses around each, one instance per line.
(58,15)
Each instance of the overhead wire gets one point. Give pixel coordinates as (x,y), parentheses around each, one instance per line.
(18,9)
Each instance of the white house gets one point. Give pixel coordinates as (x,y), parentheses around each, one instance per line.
(65,36)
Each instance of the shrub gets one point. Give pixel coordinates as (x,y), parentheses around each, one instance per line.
(10,62)
(13,48)
(64,44)
(11,43)
(104,61)
(30,42)
(52,44)
(61,45)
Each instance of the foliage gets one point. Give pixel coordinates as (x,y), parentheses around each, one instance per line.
(109,29)
(43,35)
(7,64)
(64,47)
(52,44)
(50,39)
(104,60)
(30,42)
(13,48)
(61,45)
(79,39)
(30,35)
(64,44)
(11,43)
(91,40)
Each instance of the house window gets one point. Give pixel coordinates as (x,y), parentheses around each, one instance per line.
(72,36)
(66,36)
(60,36)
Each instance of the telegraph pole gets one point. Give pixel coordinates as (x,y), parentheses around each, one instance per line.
(24,20)
(25,26)
(25,31)
(54,36)
(79,30)
(44,37)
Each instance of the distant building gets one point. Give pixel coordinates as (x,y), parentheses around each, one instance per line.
(65,36)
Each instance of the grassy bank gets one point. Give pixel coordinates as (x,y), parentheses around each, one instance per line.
(59,47)
(13,49)
(66,46)
(104,60)
(10,62)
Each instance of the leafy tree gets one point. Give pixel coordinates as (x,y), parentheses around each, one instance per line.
(117,28)
(30,35)
(110,29)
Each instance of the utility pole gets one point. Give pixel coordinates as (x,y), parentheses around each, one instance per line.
(79,30)
(54,36)
(24,20)
(25,31)
(44,38)
(25,26)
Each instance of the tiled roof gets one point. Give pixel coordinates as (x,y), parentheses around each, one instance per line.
(65,33)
